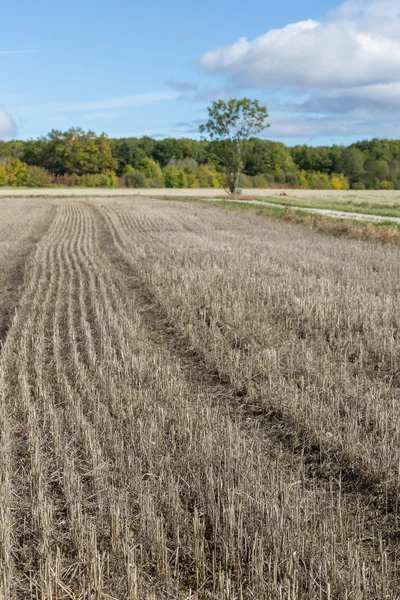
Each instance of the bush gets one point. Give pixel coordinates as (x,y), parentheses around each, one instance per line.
(17,172)
(387,185)
(319,181)
(3,174)
(128,169)
(153,182)
(189,165)
(171,176)
(182,179)
(208,178)
(192,181)
(108,179)
(291,178)
(150,168)
(260,182)
(38,177)
(245,181)
(340,182)
(136,179)
(279,177)
(358,185)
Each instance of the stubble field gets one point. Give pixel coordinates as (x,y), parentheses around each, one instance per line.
(195,404)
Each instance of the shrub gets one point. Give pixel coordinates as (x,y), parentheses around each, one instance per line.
(150,168)
(38,177)
(153,182)
(171,176)
(136,179)
(208,178)
(3,174)
(279,177)
(74,180)
(387,185)
(260,182)
(17,172)
(358,185)
(340,182)
(189,165)
(108,179)
(182,179)
(319,181)
(291,178)
(192,181)
(245,181)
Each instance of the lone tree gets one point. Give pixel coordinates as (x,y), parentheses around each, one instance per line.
(229,128)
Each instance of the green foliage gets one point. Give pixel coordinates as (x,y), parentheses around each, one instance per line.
(245,181)
(260,182)
(3,174)
(292,178)
(71,157)
(38,177)
(182,179)
(265,156)
(171,176)
(340,182)
(357,185)
(72,151)
(150,168)
(230,126)
(128,169)
(136,179)
(17,172)
(351,163)
(189,165)
(208,178)
(386,185)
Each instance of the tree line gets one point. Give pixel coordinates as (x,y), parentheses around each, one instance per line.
(77,157)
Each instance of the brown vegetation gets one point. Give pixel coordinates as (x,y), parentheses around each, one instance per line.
(197,403)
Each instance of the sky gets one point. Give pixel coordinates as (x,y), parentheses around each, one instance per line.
(328,72)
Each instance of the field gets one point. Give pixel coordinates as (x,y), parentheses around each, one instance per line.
(384,197)
(196,403)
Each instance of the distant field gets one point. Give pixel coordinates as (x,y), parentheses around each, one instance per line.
(373,196)
(195,403)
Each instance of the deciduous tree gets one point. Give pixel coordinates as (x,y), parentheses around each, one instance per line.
(229,127)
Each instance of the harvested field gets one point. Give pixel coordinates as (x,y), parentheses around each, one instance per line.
(195,404)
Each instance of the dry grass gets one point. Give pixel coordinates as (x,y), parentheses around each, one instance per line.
(199,404)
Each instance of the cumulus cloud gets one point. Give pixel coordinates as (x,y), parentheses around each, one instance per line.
(347,63)
(357,50)
(7,124)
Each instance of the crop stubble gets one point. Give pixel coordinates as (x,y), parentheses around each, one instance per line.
(198,404)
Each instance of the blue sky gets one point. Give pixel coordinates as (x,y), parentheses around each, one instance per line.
(328,72)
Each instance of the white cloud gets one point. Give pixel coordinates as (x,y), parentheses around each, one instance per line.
(125,101)
(7,124)
(343,51)
(345,64)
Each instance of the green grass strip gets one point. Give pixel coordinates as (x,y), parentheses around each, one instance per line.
(366,208)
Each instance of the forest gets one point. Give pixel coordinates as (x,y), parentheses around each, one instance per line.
(79,158)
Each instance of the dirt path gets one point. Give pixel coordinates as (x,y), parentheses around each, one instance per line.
(322,211)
